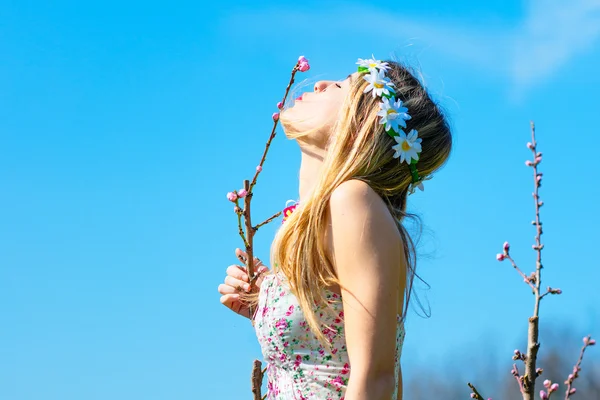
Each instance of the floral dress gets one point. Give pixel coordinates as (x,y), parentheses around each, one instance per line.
(298,366)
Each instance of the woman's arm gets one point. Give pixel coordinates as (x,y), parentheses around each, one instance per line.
(368,255)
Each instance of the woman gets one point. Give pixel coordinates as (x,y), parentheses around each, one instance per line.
(330,315)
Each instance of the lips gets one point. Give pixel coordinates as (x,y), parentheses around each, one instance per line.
(299,97)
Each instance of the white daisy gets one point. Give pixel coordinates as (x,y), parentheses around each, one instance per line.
(414,186)
(408,146)
(393,114)
(373,64)
(378,83)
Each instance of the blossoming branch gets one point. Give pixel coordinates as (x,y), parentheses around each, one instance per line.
(526,381)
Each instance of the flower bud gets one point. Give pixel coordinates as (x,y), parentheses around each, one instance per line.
(232,196)
(506,246)
(530,146)
(303,66)
(280,105)
(528,163)
(547,383)
(543,395)
(592,342)
(275,116)
(259,168)
(554,387)
(500,257)
(302,59)
(242,193)
(572,391)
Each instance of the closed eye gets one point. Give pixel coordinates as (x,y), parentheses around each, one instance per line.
(338,85)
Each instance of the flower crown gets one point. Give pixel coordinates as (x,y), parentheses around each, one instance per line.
(393,116)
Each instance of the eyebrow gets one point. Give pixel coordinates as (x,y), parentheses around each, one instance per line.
(349,77)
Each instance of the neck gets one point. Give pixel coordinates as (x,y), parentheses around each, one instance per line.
(310,168)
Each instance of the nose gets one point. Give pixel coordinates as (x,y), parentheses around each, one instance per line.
(322,85)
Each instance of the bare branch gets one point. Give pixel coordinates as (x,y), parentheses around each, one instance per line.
(271,218)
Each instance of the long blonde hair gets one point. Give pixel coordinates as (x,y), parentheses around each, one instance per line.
(358,149)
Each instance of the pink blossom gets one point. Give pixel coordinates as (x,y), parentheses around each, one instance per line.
(572,391)
(302,59)
(242,193)
(530,146)
(538,159)
(232,196)
(303,66)
(280,105)
(275,116)
(592,342)
(547,383)
(506,246)
(528,163)
(543,395)
(554,387)
(500,257)
(473,395)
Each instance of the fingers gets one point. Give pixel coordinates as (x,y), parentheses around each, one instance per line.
(231,301)
(243,257)
(237,272)
(237,284)
(226,289)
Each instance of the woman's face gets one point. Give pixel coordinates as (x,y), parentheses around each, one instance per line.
(316,112)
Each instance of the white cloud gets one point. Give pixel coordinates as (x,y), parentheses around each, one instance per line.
(552,33)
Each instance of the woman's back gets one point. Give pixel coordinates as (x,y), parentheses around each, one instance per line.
(299,367)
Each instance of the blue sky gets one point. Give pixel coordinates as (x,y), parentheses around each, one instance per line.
(123,125)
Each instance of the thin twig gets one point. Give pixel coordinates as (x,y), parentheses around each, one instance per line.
(239,213)
(478,396)
(587,341)
(271,218)
(249,232)
(518,377)
(533,330)
(525,277)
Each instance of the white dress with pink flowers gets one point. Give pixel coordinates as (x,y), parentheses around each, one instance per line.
(298,366)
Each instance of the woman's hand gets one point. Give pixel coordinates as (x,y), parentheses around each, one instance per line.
(237,282)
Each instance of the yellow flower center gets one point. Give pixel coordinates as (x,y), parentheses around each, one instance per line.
(391,111)
(372,65)
(378,85)
(406,146)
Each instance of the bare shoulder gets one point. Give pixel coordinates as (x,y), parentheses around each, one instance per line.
(356,207)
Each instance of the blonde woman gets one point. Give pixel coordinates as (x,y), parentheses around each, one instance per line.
(330,313)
